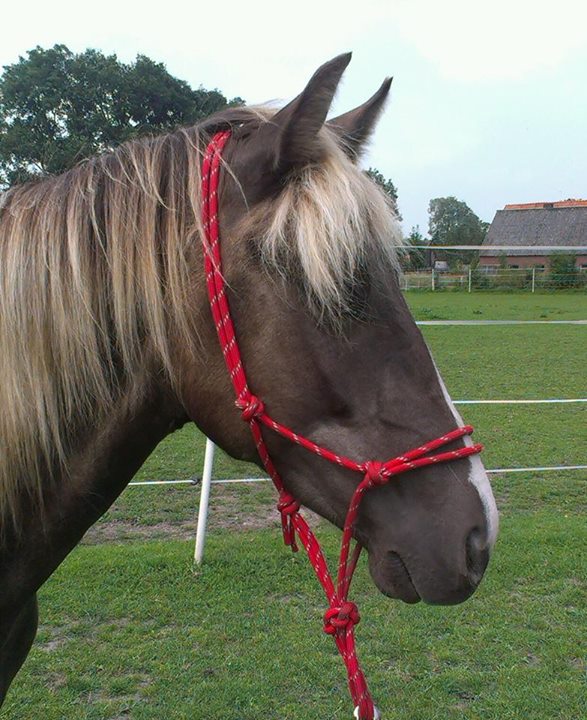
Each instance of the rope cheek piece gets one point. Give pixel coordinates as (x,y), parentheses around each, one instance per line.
(342,615)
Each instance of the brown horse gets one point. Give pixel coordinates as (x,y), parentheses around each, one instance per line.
(107,345)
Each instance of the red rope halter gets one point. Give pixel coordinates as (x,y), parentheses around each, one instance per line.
(342,615)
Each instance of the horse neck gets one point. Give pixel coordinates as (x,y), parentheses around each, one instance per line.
(99,469)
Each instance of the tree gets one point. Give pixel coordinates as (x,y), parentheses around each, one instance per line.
(415,259)
(57,107)
(452,222)
(563,270)
(388,188)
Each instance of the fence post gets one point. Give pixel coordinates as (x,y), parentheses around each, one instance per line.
(533,278)
(433,280)
(204,500)
(470,278)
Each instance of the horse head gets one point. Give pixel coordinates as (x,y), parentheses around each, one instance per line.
(310,250)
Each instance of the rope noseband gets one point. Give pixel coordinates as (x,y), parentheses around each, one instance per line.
(342,615)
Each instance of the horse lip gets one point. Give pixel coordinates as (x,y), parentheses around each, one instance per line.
(393,579)
(401,576)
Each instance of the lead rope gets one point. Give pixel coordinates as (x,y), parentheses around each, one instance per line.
(342,615)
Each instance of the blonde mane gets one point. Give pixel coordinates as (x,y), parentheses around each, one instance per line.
(328,219)
(96,268)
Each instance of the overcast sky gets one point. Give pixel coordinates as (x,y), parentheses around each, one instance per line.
(488,101)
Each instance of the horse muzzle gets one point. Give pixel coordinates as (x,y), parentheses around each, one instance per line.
(412,579)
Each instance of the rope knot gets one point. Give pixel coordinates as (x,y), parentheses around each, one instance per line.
(374,473)
(251,407)
(288,506)
(339,617)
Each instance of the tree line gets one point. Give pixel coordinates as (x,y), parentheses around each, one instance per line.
(58,107)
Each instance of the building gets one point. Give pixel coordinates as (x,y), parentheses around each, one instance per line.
(562,223)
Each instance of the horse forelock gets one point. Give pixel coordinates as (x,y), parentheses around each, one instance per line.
(329,218)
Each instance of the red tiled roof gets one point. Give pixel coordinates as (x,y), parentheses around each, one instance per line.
(570,203)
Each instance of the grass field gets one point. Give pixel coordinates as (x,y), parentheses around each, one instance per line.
(128,630)
(448,305)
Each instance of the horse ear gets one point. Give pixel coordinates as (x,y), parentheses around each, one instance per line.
(356,126)
(300,121)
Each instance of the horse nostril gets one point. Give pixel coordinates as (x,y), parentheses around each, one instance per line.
(477,555)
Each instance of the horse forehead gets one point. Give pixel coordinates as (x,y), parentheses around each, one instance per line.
(250,160)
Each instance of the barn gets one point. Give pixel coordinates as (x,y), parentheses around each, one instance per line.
(558,224)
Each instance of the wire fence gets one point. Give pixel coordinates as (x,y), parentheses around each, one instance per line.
(496,267)
(470,279)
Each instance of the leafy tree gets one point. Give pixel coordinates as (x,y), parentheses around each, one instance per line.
(57,107)
(563,270)
(452,222)
(415,259)
(388,188)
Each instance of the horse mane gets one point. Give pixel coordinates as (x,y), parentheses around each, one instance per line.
(324,225)
(96,272)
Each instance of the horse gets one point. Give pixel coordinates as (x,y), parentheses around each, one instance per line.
(108,345)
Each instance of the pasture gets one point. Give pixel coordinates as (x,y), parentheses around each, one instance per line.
(129,630)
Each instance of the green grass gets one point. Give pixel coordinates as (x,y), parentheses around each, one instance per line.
(129,631)
(493,305)
(132,632)
(532,361)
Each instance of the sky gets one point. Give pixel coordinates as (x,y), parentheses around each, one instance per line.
(488,101)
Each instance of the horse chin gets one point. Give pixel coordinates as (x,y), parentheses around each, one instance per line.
(392,578)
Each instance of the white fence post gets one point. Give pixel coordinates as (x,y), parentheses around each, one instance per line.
(533,278)
(433,280)
(470,278)
(204,501)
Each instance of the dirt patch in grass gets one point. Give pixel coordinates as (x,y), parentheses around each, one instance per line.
(53,637)
(56,681)
(231,507)
(119,530)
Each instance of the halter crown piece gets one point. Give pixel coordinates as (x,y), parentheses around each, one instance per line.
(342,615)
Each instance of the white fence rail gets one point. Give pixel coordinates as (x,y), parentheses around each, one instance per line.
(245,481)
(501,322)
